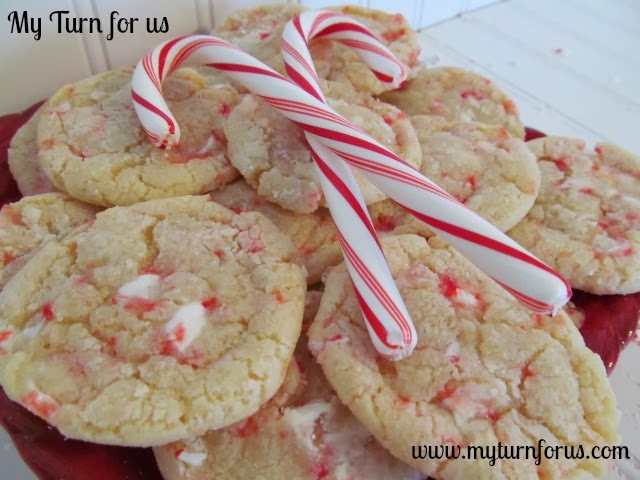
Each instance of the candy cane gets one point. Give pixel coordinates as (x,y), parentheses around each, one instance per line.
(386,317)
(528,279)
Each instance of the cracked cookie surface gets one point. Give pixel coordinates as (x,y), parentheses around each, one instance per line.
(273,156)
(485,370)
(586,221)
(258,31)
(33,221)
(314,234)
(302,433)
(457,95)
(156,322)
(23,159)
(482,166)
(93,147)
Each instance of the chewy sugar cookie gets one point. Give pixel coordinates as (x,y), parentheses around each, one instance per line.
(273,156)
(482,166)
(23,159)
(33,221)
(393,30)
(258,31)
(314,235)
(302,433)
(458,95)
(485,370)
(586,221)
(156,322)
(93,147)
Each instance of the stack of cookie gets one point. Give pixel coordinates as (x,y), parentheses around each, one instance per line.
(194,300)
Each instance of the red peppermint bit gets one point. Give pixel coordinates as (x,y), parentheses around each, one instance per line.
(492,415)
(179,452)
(150,270)
(598,149)
(627,251)
(37,405)
(455,359)
(403,399)
(255,249)
(472,181)
(335,338)
(561,164)
(447,392)
(527,372)
(112,342)
(394,35)
(219,252)
(264,35)
(279,297)
(539,319)
(320,469)
(249,428)
(7,258)
(509,107)
(632,216)
(586,190)
(473,93)
(224,110)
(4,335)
(384,224)
(448,286)
(140,305)
(167,348)
(283,434)
(47,312)
(179,332)
(210,303)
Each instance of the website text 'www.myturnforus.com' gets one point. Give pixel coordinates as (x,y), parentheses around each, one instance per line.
(517,452)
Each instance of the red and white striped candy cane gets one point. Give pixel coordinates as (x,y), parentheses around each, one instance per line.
(528,279)
(387,319)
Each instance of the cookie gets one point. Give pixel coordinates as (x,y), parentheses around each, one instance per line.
(23,159)
(392,30)
(258,31)
(33,221)
(482,166)
(314,234)
(586,221)
(485,370)
(457,95)
(303,433)
(93,147)
(272,154)
(158,321)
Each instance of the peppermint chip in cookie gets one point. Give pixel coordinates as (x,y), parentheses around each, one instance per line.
(456,94)
(258,31)
(33,221)
(586,221)
(483,166)
(302,433)
(393,30)
(485,371)
(314,234)
(93,147)
(156,322)
(272,154)
(23,159)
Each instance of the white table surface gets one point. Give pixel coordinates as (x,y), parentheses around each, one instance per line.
(573,68)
